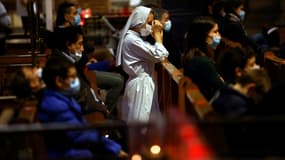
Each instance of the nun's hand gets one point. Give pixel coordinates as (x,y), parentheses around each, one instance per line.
(157,26)
(157,31)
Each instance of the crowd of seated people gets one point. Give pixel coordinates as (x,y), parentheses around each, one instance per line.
(218,56)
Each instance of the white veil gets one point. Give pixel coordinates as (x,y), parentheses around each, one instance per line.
(138,17)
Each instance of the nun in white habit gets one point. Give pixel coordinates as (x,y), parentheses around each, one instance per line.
(137,58)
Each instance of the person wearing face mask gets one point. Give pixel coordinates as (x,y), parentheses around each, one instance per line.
(66,15)
(233,28)
(163,16)
(70,47)
(62,84)
(137,58)
(201,41)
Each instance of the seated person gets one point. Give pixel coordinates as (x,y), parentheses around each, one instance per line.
(231,62)
(70,47)
(62,83)
(27,83)
(242,97)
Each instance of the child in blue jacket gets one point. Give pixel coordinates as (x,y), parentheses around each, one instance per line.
(58,105)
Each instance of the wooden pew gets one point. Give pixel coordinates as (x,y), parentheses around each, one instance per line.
(29,145)
(228,138)
(167,78)
(175,89)
(8,105)
(14,60)
(275,67)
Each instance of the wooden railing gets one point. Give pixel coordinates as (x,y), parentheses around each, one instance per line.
(275,67)
(175,89)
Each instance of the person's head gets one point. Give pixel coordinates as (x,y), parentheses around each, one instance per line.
(141,20)
(235,7)
(66,14)
(60,74)
(254,83)
(163,16)
(70,40)
(218,8)
(26,81)
(233,62)
(203,33)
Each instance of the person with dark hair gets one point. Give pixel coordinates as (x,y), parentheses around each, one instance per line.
(202,39)
(163,16)
(233,61)
(218,12)
(70,46)
(27,82)
(59,106)
(233,28)
(65,16)
(242,97)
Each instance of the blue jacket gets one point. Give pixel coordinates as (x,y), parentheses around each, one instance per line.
(55,107)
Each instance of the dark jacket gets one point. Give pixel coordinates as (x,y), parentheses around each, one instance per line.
(233,29)
(85,97)
(54,108)
(230,103)
(202,71)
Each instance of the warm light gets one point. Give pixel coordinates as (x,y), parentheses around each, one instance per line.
(136,157)
(86,16)
(86,13)
(155,149)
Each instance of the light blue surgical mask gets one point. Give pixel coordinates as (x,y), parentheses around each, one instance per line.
(73,88)
(167,26)
(77,20)
(216,41)
(242,15)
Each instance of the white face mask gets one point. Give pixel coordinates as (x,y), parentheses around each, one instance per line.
(146,31)
(39,72)
(77,55)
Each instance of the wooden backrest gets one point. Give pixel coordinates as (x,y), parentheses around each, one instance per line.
(195,103)
(176,89)
(275,67)
(14,60)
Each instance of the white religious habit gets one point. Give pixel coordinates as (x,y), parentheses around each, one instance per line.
(138,57)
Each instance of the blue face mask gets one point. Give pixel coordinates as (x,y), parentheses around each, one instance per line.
(77,20)
(167,26)
(242,15)
(216,41)
(79,10)
(73,88)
